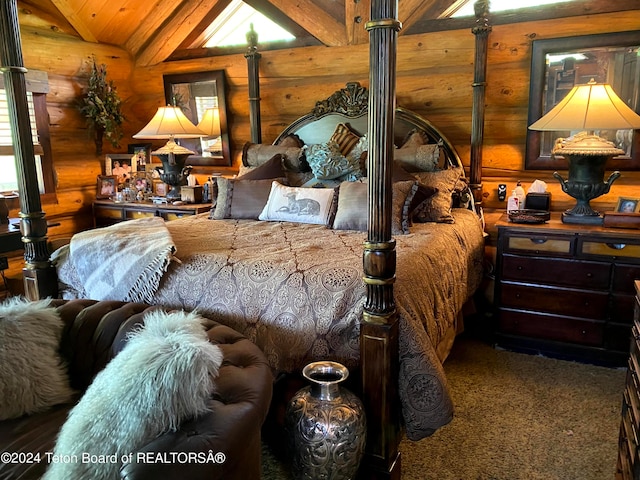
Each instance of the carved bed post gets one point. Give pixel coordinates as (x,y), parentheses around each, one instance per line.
(39,275)
(481,31)
(379,329)
(253,63)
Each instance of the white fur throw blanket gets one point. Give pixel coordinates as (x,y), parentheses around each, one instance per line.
(125,261)
(163,376)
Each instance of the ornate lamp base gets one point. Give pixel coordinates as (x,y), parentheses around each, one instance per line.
(587,155)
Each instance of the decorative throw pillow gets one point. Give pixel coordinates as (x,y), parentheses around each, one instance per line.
(33,376)
(415,138)
(238,198)
(345,138)
(255,154)
(423,158)
(438,207)
(163,376)
(300,205)
(353,203)
(291,140)
(272,168)
(423,192)
(327,162)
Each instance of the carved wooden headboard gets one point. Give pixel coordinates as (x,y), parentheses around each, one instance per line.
(349,105)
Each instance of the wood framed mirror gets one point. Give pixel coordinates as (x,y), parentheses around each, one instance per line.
(560,63)
(194,93)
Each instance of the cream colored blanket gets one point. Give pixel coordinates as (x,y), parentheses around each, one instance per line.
(125,261)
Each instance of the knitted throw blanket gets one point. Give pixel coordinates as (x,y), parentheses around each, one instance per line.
(125,261)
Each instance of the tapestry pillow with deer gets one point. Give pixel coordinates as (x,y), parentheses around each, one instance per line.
(300,205)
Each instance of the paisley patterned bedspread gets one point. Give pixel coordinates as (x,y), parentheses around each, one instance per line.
(296,290)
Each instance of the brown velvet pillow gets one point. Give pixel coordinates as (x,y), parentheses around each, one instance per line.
(437,208)
(272,168)
(241,198)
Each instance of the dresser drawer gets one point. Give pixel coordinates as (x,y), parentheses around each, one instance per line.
(562,301)
(537,244)
(624,276)
(558,271)
(551,327)
(168,216)
(628,249)
(622,308)
(131,214)
(106,212)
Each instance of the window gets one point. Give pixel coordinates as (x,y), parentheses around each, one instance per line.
(36,100)
(231,26)
(501,5)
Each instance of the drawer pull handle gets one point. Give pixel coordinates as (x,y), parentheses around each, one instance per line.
(589,275)
(616,246)
(520,267)
(538,241)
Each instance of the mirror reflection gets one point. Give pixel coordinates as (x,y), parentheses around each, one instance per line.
(201,97)
(558,65)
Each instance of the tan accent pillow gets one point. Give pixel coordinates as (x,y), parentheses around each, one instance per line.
(352,213)
(345,138)
(239,198)
(437,208)
(423,158)
(255,154)
(415,138)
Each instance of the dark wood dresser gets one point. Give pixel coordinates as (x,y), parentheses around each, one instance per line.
(566,290)
(628,467)
(107,212)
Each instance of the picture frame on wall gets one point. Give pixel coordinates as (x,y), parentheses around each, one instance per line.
(107,186)
(142,154)
(628,205)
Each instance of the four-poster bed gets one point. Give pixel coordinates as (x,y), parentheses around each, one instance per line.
(392,347)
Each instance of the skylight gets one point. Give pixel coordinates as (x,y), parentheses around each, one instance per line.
(231,26)
(501,5)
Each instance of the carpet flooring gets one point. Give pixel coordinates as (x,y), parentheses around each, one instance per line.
(517,417)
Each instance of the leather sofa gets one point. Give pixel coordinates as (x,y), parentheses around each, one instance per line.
(95,332)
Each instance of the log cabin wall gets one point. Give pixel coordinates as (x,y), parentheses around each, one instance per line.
(435,72)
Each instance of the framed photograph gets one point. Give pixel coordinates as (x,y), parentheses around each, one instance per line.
(107,186)
(143,182)
(160,188)
(120,165)
(141,155)
(628,205)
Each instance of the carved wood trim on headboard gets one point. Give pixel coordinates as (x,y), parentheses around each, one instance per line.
(353,101)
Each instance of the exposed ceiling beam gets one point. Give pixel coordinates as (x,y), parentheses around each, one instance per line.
(356,15)
(174,31)
(314,20)
(76,22)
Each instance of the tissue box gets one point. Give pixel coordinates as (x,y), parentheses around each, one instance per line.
(191,194)
(538,201)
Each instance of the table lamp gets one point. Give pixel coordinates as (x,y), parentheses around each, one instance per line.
(589,107)
(210,125)
(169,122)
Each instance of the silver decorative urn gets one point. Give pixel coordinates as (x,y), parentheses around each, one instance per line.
(325,426)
